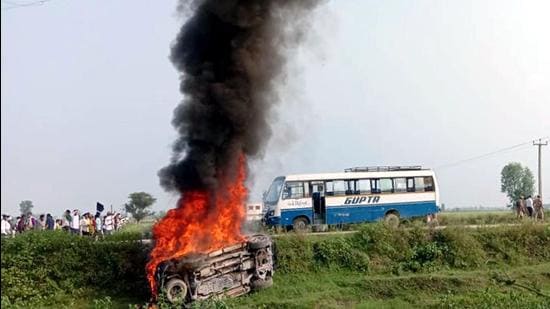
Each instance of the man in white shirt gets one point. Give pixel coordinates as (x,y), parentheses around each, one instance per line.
(75,224)
(529,205)
(84,230)
(6,227)
(109,224)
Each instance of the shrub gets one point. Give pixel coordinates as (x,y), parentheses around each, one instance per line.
(340,253)
(294,254)
(381,249)
(460,248)
(38,265)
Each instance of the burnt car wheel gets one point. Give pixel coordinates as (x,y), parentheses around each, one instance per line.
(261,284)
(258,242)
(176,290)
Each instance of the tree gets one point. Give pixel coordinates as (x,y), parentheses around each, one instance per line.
(516,181)
(161,214)
(25,207)
(139,205)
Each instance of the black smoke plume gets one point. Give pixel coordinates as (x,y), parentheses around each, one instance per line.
(231,54)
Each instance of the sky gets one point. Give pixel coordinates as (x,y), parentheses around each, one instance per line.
(88,91)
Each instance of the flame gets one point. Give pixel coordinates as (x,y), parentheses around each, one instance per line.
(201,223)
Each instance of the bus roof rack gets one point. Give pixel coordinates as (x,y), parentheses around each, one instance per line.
(382,168)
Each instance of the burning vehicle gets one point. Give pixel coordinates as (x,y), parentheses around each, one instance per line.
(231,271)
(230,56)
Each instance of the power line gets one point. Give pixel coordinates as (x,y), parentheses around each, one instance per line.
(509,148)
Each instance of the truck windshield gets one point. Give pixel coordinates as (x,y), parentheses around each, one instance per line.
(274,191)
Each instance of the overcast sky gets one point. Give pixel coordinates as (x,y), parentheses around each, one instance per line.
(88,93)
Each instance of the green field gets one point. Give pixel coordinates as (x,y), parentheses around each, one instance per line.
(375,267)
(444,219)
(344,289)
(442,289)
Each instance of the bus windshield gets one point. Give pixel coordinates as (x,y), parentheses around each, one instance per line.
(274,191)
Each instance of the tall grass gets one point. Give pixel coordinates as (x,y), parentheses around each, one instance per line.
(379,249)
(38,267)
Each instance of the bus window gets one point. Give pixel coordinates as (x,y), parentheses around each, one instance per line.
(339,187)
(272,195)
(386,185)
(350,187)
(428,184)
(306,189)
(410,184)
(419,184)
(329,188)
(400,184)
(424,184)
(375,186)
(294,189)
(363,186)
(317,186)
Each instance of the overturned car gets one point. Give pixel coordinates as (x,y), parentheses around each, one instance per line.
(230,271)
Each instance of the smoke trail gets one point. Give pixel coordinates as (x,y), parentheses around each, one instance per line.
(230,54)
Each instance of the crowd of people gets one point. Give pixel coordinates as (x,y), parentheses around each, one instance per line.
(530,207)
(72,222)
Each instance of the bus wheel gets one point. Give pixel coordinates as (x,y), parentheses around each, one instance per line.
(300,224)
(391,219)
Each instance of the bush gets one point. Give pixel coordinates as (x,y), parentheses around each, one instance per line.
(460,248)
(380,249)
(340,253)
(38,265)
(294,254)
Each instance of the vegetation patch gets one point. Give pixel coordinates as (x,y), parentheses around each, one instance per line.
(377,248)
(39,266)
(400,266)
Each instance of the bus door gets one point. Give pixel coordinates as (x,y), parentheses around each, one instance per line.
(317,189)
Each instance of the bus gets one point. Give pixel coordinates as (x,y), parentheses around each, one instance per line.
(359,194)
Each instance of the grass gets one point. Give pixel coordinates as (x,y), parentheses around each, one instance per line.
(375,267)
(353,289)
(343,289)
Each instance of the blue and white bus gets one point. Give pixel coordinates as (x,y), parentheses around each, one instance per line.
(357,195)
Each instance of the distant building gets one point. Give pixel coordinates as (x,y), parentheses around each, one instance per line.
(254,212)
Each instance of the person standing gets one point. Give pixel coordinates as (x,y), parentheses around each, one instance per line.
(50,223)
(529,206)
(520,207)
(109,224)
(91,224)
(538,208)
(84,225)
(75,222)
(116,221)
(5,226)
(13,225)
(41,222)
(67,220)
(21,223)
(98,225)
(30,223)
(59,225)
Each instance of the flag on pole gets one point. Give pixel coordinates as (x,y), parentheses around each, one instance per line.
(99,207)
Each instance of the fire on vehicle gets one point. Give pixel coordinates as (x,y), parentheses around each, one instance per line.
(227,272)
